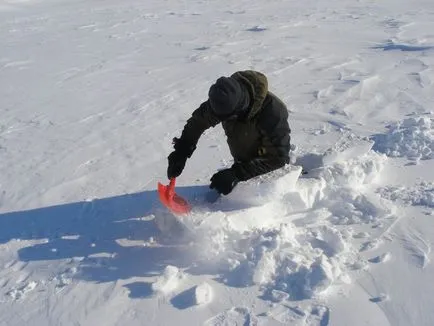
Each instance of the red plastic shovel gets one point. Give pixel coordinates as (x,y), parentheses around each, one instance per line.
(175,203)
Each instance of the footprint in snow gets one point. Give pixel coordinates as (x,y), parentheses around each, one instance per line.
(168,281)
(381,258)
(361,235)
(231,12)
(19,293)
(418,247)
(382,297)
(202,48)
(257,29)
(233,316)
(370,245)
(316,315)
(393,23)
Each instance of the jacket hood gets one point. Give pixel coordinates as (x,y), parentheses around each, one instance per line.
(257,86)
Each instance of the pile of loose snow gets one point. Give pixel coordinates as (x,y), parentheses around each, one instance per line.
(288,260)
(412,138)
(203,294)
(420,194)
(168,281)
(301,243)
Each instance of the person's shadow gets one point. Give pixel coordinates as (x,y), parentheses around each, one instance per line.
(106,236)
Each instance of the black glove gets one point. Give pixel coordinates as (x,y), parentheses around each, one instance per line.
(178,157)
(176,164)
(224,181)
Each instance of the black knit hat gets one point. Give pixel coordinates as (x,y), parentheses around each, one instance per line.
(224,96)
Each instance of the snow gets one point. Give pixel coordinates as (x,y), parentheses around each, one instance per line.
(420,194)
(412,138)
(203,294)
(92,94)
(168,281)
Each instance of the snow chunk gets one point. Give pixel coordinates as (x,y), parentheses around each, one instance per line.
(265,268)
(329,240)
(169,281)
(320,276)
(309,191)
(203,294)
(351,207)
(278,296)
(412,138)
(267,187)
(357,172)
(20,293)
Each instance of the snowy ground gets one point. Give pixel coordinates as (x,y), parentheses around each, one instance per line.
(92,92)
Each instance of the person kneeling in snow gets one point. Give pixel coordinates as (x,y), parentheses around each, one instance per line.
(255,122)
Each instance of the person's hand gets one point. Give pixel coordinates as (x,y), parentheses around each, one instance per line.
(177,161)
(224,181)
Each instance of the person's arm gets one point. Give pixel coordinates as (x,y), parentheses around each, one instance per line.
(201,119)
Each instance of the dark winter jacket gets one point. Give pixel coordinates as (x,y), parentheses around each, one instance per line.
(259,139)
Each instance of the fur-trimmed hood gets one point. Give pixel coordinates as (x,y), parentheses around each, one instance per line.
(257,86)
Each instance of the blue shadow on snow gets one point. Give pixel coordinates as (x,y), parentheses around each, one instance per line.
(139,290)
(89,232)
(185,299)
(392,46)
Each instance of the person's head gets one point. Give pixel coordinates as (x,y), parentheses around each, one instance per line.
(226,97)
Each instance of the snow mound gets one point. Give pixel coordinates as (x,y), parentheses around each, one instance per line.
(295,245)
(355,173)
(288,259)
(203,294)
(346,148)
(421,194)
(263,189)
(168,281)
(412,138)
(20,293)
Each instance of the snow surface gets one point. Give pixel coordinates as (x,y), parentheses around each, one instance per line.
(92,92)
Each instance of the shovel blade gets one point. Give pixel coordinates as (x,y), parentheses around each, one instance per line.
(175,203)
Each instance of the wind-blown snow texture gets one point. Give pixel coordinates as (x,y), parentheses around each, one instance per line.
(92,92)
